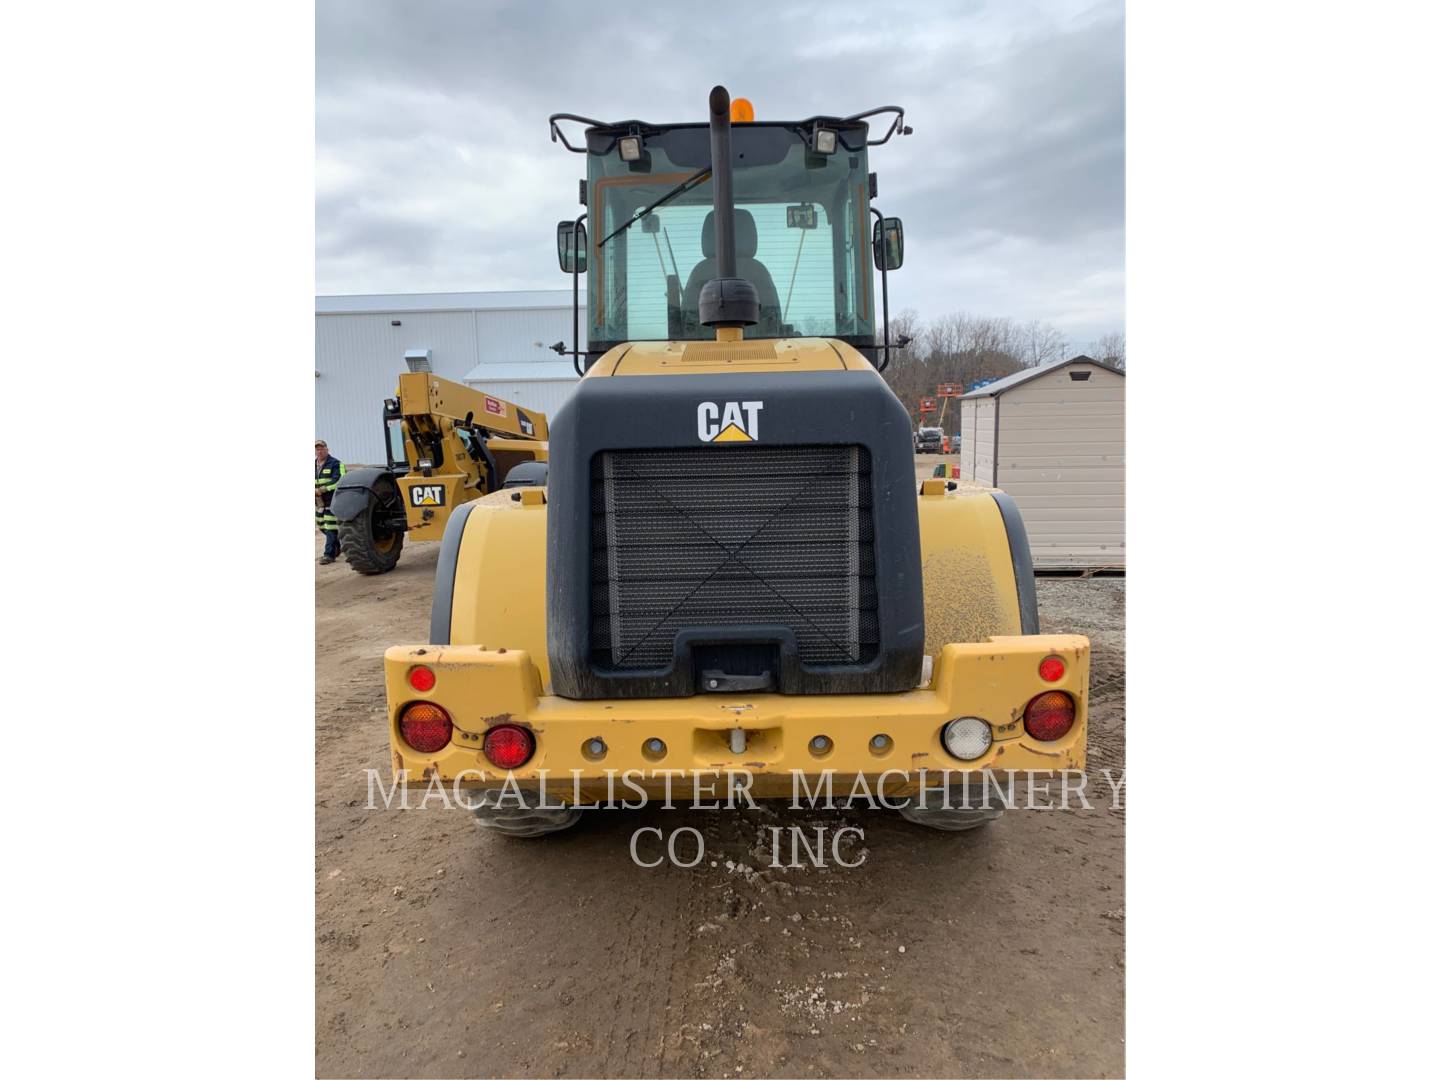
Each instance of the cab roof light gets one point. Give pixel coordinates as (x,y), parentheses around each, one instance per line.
(632,148)
(823,140)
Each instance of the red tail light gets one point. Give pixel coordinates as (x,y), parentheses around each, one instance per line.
(1049,716)
(508,746)
(425,727)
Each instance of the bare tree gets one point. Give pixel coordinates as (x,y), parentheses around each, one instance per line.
(906,372)
(964,349)
(1040,343)
(1110,348)
(905,325)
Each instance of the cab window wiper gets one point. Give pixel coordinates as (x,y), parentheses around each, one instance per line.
(679,189)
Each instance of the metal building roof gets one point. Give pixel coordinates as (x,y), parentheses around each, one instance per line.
(386,303)
(1009,382)
(522,370)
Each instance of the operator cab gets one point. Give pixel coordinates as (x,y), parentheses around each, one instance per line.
(802,235)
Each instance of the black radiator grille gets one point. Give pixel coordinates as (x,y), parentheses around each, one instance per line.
(729,537)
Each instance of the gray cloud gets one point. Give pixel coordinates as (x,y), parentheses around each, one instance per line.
(435,170)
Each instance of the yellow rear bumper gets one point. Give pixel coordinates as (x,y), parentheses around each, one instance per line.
(481,688)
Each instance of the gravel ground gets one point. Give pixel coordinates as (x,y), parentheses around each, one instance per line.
(444,951)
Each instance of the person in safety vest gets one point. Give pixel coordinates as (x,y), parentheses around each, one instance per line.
(328,471)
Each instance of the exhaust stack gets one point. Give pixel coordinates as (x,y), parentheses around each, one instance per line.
(726,301)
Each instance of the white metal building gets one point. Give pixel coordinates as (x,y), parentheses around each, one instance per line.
(1053,437)
(495,341)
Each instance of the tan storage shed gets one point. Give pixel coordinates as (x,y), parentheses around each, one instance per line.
(1053,437)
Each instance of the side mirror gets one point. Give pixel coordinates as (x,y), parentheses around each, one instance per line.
(889,245)
(571,246)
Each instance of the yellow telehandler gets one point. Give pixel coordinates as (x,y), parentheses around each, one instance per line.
(730,574)
(446,444)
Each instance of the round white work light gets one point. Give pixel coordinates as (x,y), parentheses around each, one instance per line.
(967,738)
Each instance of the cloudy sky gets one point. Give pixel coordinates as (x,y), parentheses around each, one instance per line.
(435,171)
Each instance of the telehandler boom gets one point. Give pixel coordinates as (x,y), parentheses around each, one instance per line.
(446,444)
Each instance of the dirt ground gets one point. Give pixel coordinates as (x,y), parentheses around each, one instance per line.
(444,951)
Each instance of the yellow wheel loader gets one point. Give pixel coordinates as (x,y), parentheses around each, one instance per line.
(446,444)
(731,578)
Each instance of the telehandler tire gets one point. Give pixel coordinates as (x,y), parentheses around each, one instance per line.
(367,547)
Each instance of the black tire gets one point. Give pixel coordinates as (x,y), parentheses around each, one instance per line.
(521,824)
(368,547)
(518,822)
(955,809)
(950,820)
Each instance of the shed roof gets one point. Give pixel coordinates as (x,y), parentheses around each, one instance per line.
(522,371)
(386,303)
(1009,382)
